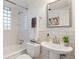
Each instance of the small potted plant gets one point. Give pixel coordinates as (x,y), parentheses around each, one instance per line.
(66,40)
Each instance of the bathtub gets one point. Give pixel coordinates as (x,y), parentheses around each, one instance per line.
(12,52)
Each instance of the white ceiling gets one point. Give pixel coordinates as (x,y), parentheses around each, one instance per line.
(24,3)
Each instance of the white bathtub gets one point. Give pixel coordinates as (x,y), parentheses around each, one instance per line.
(12,52)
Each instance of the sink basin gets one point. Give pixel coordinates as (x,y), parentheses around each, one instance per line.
(57,48)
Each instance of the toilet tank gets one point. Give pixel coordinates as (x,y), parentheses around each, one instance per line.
(33,49)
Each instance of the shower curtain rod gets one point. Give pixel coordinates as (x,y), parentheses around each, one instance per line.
(15,4)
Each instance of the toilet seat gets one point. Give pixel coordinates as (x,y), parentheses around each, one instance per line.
(24,56)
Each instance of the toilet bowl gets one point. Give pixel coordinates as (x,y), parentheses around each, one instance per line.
(24,56)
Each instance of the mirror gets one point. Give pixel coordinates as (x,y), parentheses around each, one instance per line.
(59,14)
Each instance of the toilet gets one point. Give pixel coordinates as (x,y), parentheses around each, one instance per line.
(32,49)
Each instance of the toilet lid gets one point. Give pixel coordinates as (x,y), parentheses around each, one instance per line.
(24,56)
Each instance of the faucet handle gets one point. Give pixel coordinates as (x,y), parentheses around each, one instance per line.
(21,41)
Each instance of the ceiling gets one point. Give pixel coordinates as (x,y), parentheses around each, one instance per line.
(24,3)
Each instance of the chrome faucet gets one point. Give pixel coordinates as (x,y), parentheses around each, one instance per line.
(56,40)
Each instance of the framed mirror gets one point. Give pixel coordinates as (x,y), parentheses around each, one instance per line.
(59,14)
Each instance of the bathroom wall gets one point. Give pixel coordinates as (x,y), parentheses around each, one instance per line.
(38,9)
(19,31)
(19,27)
(11,36)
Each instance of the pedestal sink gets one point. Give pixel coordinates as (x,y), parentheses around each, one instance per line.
(56,50)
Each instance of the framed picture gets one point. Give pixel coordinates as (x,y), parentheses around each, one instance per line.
(59,14)
(54,21)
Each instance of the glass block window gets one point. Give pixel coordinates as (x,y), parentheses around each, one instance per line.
(7,18)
